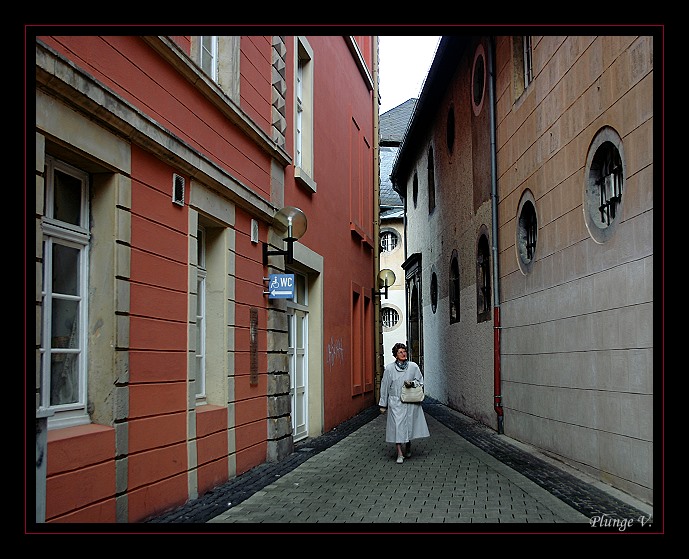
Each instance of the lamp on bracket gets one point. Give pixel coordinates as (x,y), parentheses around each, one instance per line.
(385,279)
(293,221)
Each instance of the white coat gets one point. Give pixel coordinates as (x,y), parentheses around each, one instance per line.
(405,421)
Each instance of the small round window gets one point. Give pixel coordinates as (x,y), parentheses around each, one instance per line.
(388,241)
(390,318)
(527,232)
(604,184)
(478,80)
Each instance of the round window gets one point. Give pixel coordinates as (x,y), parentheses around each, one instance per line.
(527,232)
(478,80)
(604,184)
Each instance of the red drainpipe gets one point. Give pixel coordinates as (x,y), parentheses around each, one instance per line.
(497,392)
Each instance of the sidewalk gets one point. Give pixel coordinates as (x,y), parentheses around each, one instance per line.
(463,477)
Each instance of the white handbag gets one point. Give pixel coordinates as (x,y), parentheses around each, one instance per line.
(412,395)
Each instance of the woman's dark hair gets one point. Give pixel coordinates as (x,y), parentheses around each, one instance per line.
(397,347)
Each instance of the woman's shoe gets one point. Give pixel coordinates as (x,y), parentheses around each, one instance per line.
(400,459)
(407,451)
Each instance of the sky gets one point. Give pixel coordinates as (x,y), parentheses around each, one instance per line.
(404,64)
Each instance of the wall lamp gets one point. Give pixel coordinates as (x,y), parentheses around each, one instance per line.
(385,279)
(293,221)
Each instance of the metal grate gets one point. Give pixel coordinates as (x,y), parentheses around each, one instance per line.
(177,190)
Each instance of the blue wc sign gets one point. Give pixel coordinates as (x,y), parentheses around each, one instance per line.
(281,286)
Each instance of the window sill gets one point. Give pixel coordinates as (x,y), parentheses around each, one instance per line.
(359,232)
(304,179)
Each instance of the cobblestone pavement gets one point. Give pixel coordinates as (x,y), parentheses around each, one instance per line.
(462,476)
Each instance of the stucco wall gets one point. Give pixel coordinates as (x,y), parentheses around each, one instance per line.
(577,351)
(458,356)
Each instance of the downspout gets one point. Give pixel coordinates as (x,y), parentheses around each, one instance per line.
(378,330)
(497,379)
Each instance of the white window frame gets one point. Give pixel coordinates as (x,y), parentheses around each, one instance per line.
(200,354)
(389,317)
(298,122)
(303,114)
(56,232)
(210,51)
(389,241)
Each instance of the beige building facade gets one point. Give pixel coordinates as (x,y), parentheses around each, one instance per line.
(529,180)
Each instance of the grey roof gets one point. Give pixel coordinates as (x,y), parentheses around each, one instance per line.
(388,196)
(393,123)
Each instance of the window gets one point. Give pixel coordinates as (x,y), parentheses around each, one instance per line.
(66,237)
(389,317)
(303,115)
(415,188)
(522,56)
(200,355)
(604,184)
(434,292)
(454,287)
(299,94)
(528,64)
(431,181)
(483,305)
(209,55)
(388,241)
(450,129)
(218,57)
(478,80)
(527,232)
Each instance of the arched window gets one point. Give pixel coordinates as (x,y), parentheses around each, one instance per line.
(431,181)
(450,128)
(434,292)
(483,295)
(454,288)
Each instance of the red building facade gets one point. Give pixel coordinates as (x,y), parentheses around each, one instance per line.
(163,365)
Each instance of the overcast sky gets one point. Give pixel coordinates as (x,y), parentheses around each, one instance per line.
(404,63)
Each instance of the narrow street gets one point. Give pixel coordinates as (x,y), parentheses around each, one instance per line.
(462,476)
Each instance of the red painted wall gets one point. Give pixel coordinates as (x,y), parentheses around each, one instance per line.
(340,95)
(81,474)
(81,460)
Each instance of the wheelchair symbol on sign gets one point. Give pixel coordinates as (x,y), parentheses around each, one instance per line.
(274,284)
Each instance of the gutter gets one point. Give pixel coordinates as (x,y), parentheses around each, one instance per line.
(497,372)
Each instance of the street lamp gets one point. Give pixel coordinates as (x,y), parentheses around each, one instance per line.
(293,221)
(385,279)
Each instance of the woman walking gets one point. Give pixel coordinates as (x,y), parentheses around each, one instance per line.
(405,422)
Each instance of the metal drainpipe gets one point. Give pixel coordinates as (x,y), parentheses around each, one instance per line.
(378,332)
(497,380)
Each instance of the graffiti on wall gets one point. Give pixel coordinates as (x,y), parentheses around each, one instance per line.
(335,352)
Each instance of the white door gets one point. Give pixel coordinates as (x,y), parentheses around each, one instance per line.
(298,371)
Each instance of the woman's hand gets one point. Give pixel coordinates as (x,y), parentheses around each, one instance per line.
(408,383)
